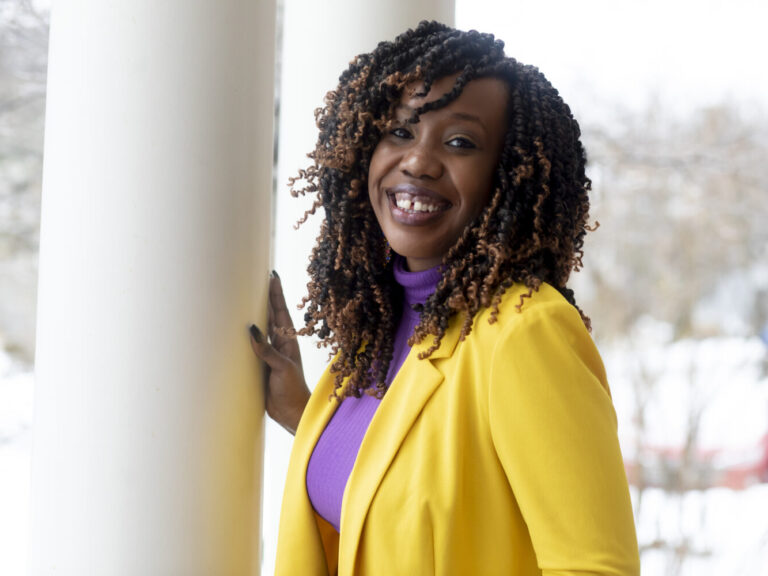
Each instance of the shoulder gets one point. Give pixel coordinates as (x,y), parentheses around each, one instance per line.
(520,313)
(539,337)
(521,310)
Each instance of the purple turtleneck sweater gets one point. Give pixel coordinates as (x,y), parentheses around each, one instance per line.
(334,455)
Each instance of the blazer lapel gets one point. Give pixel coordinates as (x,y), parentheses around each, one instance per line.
(413,386)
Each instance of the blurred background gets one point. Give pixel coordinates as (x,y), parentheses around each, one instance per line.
(672,98)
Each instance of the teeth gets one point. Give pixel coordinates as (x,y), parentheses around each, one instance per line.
(415,206)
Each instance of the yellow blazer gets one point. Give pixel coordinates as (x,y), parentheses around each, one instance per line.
(496,455)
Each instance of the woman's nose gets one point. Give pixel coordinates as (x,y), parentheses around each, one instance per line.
(421,161)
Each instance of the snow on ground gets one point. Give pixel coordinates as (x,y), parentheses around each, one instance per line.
(719,386)
(720,377)
(16,402)
(724,531)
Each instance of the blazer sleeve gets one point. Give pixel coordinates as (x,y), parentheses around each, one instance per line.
(554,429)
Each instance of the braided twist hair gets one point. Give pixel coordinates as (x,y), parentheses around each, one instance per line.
(531,230)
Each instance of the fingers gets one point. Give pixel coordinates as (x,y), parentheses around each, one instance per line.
(280,318)
(274,359)
(280,315)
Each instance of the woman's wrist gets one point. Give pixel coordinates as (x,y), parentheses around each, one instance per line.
(291,418)
(297,414)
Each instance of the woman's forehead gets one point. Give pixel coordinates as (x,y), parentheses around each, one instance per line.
(415,90)
(479,98)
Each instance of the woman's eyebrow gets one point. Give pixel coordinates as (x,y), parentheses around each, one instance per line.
(468,117)
(404,112)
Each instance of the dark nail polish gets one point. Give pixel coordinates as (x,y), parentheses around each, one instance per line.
(274,274)
(256,333)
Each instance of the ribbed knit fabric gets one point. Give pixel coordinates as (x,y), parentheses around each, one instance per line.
(334,455)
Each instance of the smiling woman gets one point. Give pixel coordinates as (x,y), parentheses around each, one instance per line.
(429,180)
(465,425)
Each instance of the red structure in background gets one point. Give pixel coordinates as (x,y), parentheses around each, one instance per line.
(681,469)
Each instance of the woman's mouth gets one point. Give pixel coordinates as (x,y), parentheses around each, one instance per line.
(411,205)
(414,204)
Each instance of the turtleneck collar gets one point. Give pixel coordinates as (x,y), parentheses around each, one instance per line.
(417,286)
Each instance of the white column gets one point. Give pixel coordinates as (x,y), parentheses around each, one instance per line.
(154,257)
(319,40)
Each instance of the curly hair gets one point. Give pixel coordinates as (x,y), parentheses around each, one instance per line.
(531,231)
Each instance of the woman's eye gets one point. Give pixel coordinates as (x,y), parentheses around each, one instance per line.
(400,133)
(461,142)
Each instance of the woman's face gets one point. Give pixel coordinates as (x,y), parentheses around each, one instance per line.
(429,180)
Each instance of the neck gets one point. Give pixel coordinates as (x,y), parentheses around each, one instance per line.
(421,264)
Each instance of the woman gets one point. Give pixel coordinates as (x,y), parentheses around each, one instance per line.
(465,425)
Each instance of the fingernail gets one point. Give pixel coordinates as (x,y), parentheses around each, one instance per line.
(256,333)
(274,274)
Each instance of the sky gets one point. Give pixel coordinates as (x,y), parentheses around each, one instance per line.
(602,54)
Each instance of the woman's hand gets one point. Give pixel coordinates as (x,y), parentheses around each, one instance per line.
(285,391)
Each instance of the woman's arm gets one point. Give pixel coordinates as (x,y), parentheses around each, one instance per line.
(554,429)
